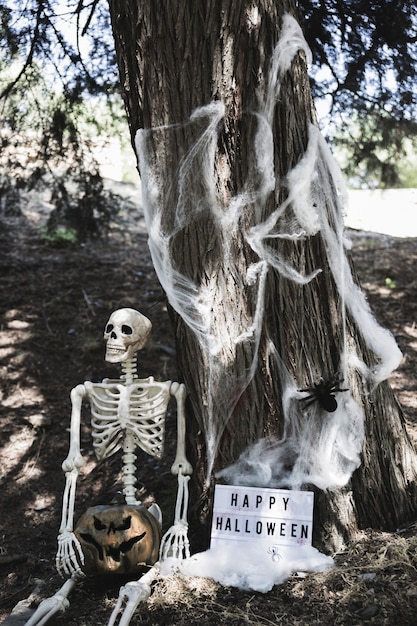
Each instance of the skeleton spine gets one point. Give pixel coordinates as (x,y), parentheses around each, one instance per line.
(129,374)
(129,469)
(129,370)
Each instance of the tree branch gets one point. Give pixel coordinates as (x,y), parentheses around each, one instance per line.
(29,58)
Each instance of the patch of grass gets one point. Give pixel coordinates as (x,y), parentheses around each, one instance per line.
(59,237)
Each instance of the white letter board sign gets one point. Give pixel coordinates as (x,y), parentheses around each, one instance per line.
(278,516)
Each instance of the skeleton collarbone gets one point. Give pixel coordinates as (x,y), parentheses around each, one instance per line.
(136,409)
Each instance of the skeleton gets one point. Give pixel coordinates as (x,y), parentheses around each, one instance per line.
(125,414)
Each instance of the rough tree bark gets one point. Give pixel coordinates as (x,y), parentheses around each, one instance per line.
(175,56)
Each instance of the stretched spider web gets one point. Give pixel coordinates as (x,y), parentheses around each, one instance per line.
(315,447)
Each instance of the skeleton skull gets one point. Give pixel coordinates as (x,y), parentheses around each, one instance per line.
(126,332)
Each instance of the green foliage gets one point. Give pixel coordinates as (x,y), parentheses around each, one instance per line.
(376,150)
(59,88)
(60,237)
(390,283)
(54,110)
(365,69)
(48,143)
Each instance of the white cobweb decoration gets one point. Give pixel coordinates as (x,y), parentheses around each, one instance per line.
(192,193)
(314,448)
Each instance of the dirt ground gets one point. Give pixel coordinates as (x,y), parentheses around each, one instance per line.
(55,299)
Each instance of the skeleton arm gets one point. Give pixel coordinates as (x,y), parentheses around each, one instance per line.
(68,546)
(175,541)
(178,391)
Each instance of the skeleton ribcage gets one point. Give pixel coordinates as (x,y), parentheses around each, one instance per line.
(138,409)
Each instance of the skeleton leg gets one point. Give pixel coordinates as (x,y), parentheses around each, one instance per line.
(131,595)
(57,603)
(175,542)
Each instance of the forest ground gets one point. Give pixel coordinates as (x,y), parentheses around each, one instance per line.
(55,298)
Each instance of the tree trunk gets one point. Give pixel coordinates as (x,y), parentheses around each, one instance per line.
(253,318)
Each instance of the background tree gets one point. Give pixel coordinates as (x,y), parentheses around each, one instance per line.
(364,70)
(363,65)
(48,102)
(210,192)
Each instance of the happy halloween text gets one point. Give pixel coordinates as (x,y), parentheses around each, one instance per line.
(264,528)
(251,513)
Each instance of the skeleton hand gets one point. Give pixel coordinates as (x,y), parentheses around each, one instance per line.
(69,555)
(133,593)
(175,542)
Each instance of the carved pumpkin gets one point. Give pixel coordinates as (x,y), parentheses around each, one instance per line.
(118,539)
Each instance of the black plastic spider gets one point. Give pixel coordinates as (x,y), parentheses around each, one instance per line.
(324,392)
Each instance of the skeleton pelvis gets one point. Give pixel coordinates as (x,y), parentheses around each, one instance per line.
(118,539)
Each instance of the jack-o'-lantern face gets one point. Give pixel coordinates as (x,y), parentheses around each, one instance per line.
(118,539)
